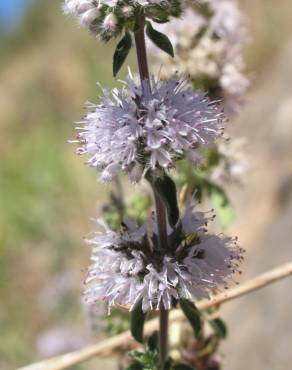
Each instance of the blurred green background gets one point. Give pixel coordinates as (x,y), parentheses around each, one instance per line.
(48,69)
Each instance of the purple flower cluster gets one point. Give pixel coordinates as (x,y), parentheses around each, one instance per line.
(128,267)
(139,129)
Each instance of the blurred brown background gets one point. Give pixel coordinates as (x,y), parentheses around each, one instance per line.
(48,69)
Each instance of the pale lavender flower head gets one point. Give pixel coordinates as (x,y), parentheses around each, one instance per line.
(233,163)
(135,129)
(228,20)
(133,269)
(209,48)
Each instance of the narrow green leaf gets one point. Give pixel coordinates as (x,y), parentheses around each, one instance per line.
(137,323)
(183,367)
(122,50)
(219,327)
(221,204)
(166,189)
(159,39)
(192,314)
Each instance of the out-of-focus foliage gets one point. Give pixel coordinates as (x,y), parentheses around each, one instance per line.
(48,69)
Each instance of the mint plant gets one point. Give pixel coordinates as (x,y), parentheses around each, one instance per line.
(146,129)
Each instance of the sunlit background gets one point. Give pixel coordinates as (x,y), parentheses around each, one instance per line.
(48,69)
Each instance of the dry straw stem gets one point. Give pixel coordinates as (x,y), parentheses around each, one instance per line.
(110,345)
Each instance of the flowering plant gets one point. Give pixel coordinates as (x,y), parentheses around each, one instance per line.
(147,130)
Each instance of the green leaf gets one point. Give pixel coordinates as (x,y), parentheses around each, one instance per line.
(137,322)
(137,355)
(221,204)
(159,39)
(192,314)
(122,50)
(183,367)
(148,359)
(219,327)
(165,187)
(153,341)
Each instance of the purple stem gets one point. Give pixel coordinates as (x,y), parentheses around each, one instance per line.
(160,208)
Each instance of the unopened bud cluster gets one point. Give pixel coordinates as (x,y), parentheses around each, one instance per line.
(105,19)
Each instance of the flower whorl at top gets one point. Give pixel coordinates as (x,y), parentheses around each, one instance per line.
(107,18)
(135,129)
(128,267)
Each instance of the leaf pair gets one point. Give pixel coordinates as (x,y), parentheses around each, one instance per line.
(191,312)
(124,46)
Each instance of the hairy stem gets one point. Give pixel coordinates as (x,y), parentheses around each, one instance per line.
(160,208)
(144,76)
(141,52)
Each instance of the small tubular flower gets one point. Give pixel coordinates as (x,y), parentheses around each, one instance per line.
(133,269)
(138,129)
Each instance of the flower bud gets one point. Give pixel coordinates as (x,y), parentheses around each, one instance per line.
(89,16)
(110,22)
